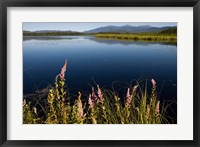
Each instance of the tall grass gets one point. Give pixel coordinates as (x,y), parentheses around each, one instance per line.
(102,106)
(139,37)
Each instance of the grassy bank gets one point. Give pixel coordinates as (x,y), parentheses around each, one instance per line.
(102,106)
(139,37)
(168,35)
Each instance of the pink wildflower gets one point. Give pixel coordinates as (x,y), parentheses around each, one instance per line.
(93,95)
(90,101)
(100,95)
(153,82)
(128,97)
(63,70)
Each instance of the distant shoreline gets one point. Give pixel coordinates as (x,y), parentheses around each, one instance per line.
(123,37)
(168,35)
(140,37)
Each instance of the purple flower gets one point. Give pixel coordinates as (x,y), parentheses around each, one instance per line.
(63,70)
(93,95)
(153,82)
(90,101)
(128,97)
(100,95)
(128,94)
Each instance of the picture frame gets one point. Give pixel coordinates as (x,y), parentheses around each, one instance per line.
(195,4)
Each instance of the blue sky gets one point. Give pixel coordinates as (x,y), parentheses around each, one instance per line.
(84,26)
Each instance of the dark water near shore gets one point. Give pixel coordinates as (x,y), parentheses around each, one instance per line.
(100,61)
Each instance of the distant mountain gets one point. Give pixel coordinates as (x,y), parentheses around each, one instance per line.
(128,28)
(106,29)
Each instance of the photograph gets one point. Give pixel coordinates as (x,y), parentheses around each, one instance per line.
(99,72)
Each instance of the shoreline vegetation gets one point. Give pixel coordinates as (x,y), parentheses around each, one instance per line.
(168,35)
(140,37)
(101,106)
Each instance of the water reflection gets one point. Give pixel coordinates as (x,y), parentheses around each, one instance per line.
(93,38)
(93,60)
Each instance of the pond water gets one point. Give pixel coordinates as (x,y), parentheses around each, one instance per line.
(101,61)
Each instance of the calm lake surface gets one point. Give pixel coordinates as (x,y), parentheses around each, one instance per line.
(100,61)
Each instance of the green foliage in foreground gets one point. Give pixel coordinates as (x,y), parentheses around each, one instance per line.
(102,106)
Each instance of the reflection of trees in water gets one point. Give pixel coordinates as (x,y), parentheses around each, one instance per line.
(98,40)
(26,38)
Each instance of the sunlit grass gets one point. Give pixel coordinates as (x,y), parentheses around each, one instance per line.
(139,37)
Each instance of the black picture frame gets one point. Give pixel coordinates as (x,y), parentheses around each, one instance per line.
(4,4)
